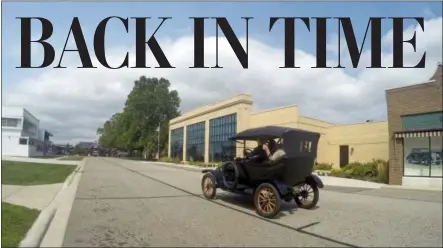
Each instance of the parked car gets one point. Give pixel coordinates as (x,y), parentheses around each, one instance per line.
(95,153)
(424,156)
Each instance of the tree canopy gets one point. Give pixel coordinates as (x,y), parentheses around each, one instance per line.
(150,104)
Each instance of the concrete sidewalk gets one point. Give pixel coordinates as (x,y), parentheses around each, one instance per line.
(346,182)
(47,198)
(327,180)
(36,196)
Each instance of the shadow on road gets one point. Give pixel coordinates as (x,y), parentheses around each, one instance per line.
(247,202)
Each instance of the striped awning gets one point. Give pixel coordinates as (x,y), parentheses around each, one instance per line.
(418,134)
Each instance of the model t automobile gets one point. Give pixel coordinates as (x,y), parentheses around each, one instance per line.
(270,182)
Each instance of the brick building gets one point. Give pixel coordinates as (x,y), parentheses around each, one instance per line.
(415,133)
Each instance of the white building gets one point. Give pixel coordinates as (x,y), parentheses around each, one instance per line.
(21,134)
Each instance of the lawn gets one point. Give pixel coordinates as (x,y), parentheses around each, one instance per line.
(16,221)
(72,158)
(25,173)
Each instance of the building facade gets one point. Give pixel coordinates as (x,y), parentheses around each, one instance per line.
(415,133)
(21,134)
(411,138)
(203,134)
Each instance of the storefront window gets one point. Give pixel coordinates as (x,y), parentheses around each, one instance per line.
(177,143)
(436,156)
(221,148)
(423,156)
(416,152)
(195,142)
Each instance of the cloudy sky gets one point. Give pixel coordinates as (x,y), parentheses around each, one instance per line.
(73,102)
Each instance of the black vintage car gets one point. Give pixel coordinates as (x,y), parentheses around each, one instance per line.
(424,156)
(287,179)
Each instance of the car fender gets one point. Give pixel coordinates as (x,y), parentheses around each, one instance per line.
(281,187)
(215,174)
(315,180)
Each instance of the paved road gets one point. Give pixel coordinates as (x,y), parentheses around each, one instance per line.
(128,203)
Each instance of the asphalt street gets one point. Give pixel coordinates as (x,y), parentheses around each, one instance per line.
(140,204)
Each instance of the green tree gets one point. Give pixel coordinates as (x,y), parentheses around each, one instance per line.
(150,103)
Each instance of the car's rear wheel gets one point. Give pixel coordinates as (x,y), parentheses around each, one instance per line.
(267,200)
(208,186)
(307,195)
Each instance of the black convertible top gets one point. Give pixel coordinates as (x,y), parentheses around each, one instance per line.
(272,132)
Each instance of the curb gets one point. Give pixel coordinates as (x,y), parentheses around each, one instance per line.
(410,188)
(41,225)
(181,166)
(55,233)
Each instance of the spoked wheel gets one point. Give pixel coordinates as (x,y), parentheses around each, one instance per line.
(267,200)
(208,186)
(307,196)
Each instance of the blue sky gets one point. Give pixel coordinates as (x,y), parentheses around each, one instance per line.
(346,96)
(90,14)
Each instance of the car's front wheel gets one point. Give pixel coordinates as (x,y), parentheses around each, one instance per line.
(208,186)
(267,200)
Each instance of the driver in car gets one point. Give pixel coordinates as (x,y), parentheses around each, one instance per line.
(272,151)
(259,152)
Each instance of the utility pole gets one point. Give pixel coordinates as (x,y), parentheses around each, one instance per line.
(158,143)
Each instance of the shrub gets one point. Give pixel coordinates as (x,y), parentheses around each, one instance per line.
(383,171)
(340,173)
(377,171)
(361,169)
(323,166)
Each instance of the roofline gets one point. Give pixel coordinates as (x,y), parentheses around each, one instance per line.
(360,123)
(327,122)
(21,108)
(274,109)
(27,111)
(412,86)
(211,108)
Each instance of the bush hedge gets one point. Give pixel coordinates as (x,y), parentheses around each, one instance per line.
(323,166)
(376,171)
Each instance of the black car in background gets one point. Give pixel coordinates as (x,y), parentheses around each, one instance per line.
(424,156)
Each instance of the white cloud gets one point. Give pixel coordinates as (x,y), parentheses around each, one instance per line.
(72,102)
